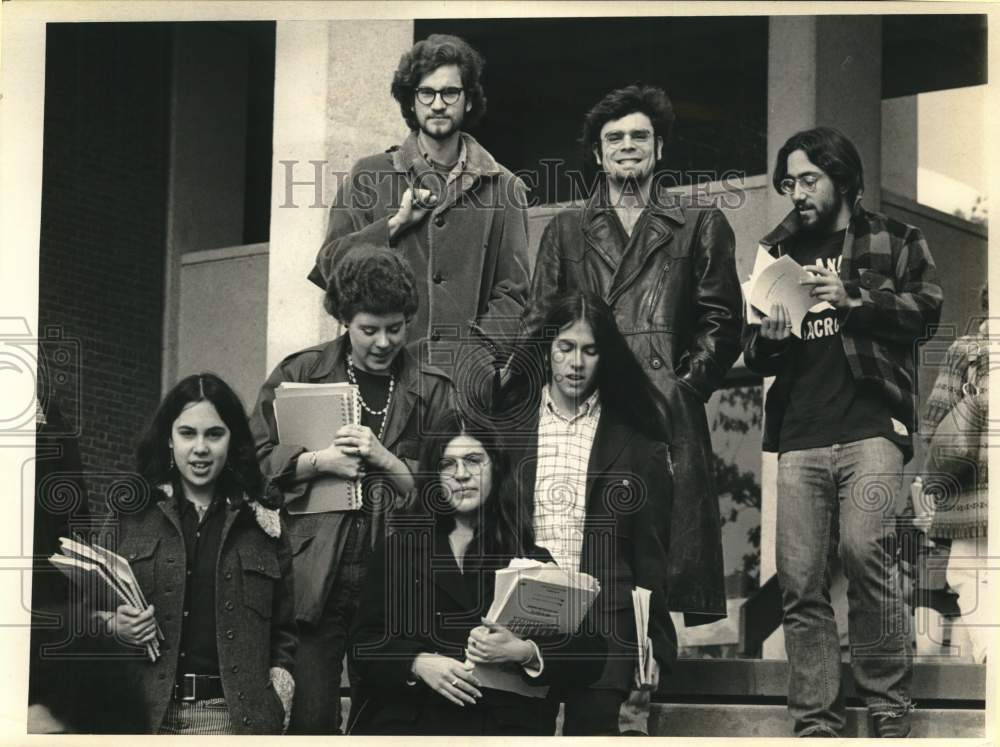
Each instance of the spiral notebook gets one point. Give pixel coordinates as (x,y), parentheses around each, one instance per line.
(310,415)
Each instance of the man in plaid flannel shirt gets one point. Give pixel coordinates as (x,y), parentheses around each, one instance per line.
(841,414)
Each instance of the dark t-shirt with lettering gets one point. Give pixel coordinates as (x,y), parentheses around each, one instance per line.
(825,405)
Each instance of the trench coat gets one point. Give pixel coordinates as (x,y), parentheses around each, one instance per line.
(469,254)
(317,540)
(677,301)
(254,614)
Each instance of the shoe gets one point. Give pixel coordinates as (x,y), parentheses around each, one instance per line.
(821,732)
(891,725)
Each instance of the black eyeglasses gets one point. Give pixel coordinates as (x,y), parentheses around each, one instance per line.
(808,183)
(449,95)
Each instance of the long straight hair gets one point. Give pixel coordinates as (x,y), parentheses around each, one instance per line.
(241,473)
(624,387)
(504,531)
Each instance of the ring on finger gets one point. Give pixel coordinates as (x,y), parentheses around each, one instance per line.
(454,682)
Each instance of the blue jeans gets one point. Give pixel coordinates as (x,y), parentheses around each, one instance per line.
(846,494)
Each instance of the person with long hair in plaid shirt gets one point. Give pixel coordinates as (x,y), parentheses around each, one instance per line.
(841,415)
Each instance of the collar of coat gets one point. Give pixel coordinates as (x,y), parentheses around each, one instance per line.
(791,225)
(333,357)
(663,203)
(267,518)
(478,161)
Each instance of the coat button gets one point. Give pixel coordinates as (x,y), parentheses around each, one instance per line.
(230,634)
(170,560)
(656,363)
(438,278)
(236,668)
(435,336)
(246,720)
(240,695)
(229,606)
(439,221)
(228,576)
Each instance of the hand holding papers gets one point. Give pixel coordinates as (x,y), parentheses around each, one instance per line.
(534,599)
(779,281)
(95,569)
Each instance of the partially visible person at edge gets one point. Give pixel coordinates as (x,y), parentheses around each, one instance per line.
(595,477)
(667,267)
(443,202)
(208,551)
(419,653)
(841,415)
(373,294)
(956,475)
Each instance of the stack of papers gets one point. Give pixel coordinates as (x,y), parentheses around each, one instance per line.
(531,599)
(778,281)
(95,569)
(640,604)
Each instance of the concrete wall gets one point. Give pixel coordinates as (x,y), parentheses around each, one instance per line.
(206,197)
(223,316)
(331,107)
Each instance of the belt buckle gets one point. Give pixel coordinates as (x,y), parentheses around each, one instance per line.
(193,678)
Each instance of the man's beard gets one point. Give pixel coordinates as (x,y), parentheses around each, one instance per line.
(630,185)
(824,219)
(454,126)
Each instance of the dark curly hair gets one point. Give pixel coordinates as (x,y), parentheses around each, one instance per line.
(638,97)
(829,149)
(427,56)
(241,473)
(372,279)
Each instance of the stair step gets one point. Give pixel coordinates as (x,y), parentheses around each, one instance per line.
(698,720)
(701,720)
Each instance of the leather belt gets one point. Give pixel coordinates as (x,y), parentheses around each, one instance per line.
(198,687)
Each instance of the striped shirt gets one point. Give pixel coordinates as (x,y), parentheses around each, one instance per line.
(564,446)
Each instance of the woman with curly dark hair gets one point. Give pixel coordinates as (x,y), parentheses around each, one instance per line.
(208,553)
(373,294)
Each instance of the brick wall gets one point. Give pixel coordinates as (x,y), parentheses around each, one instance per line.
(103,229)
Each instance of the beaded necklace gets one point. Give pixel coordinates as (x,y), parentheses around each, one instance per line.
(364,405)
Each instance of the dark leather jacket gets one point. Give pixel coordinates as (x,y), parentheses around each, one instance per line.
(676,297)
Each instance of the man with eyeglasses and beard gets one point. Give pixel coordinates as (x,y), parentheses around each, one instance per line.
(444,202)
(840,415)
(666,266)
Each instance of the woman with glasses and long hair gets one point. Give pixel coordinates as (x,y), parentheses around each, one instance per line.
(420,631)
(595,480)
(207,550)
(373,294)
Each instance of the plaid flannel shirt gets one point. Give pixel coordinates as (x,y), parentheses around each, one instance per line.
(888,266)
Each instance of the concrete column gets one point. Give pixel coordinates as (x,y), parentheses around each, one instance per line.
(822,70)
(901,154)
(331,107)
